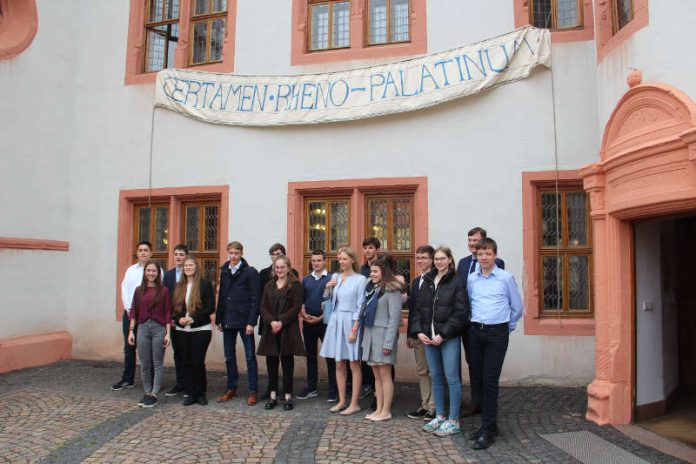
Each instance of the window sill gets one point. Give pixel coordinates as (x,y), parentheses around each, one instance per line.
(364,53)
(563,326)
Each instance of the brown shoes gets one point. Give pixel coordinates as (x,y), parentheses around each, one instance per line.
(228,395)
(251,399)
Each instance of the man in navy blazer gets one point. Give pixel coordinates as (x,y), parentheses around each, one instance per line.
(465,267)
(171,278)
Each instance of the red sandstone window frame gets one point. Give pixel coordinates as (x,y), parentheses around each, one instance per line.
(135,50)
(359,48)
(608,38)
(537,322)
(176,198)
(523,14)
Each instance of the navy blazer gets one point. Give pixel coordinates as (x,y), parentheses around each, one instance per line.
(465,264)
(411,305)
(169,281)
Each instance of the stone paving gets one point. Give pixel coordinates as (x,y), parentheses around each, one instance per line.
(66,413)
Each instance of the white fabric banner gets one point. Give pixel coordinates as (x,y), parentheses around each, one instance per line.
(355,94)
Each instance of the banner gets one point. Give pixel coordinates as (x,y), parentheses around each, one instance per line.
(355,94)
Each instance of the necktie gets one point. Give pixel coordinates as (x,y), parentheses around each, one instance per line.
(472,266)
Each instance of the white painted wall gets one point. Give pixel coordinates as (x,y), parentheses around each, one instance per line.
(473,152)
(649,355)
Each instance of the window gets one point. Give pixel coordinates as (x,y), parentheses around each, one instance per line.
(152,224)
(388,21)
(390,219)
(161,34)
(329,24)
(327,227)
(565,251)
(195,216)
(556,14)
(622,14)
(178,34)
(333,30)
(201,235)
(208,31)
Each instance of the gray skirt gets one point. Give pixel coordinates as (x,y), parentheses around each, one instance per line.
(373,344)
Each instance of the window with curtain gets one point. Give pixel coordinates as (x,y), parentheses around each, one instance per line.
(388,21)
(327,227)
(208,20)
(200,232)
(329,24)
(565,251)
(152,224)
(556,14)
(161,34)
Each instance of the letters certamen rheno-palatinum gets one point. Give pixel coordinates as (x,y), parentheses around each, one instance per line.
(355,94)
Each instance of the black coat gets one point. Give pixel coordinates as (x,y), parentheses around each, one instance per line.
(239,297)
(446,307)
(202,315)
(281,305)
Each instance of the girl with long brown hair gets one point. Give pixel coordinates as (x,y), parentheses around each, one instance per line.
(151,312)
(193,304)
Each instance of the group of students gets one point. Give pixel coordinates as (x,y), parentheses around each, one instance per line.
(355,313)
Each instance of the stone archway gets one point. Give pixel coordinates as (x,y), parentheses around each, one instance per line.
(647,168)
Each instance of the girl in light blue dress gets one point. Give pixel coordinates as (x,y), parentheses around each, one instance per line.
(347,292)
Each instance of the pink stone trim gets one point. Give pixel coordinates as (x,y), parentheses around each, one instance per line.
(585,32)
(33,244)
(606,39)
(34,350)
(18,27)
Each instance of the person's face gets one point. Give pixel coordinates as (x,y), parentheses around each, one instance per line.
(143,252)
(275,255)
(375,274)
(234,255)
(179,257)
(151,272)
(318,262)
(486,258)
(345,262)
(280,268)
(473,241)
(441,260)
(424,262)
(370,252)
(189,267)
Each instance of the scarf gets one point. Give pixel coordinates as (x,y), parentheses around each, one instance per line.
(371,300)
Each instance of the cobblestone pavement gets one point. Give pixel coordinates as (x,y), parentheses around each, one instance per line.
(66,413)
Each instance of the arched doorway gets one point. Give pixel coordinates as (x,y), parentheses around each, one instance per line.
(647,169)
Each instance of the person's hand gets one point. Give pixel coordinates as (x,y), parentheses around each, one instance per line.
(312,319)
(182,321)
(131,339)
(303,315)
(276,326)
(437,340)
(249,329)
(166,340)
(332,283)
(424,339)
(386,352)
(409,343)
(352,337)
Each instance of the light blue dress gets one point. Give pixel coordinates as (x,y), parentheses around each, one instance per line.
(348,296)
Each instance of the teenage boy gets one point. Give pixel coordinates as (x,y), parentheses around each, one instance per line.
(466,266)
(237,313)
(171,278)
(426,411)
(496,306)
(131,280)
(314,327)
(266,274)
(371,251)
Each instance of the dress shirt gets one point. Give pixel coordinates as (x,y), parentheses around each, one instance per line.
(179,272)
(234,269)
(131,280)
(495,298)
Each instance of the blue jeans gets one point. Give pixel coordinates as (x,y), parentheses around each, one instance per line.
(128,351)
(229,340)
(443,362)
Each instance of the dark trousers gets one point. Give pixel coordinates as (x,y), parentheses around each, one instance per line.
(229,341)
(475,399)
(487,348)
(128,352)
(288,363)
(312,333)
(180,380)
(192,347)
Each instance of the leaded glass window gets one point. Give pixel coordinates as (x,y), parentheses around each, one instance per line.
(388,21)
(161,34)
(201,231)
(152,224)
(327,227)
(622,14)
(390,219)
(556,14)
(329,24)
(208,31)
(565,251)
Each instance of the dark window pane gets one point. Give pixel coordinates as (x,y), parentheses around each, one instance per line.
(403,267)
(550,225)
(217,37)
(402,225)
(316,234)
(579,283)
(161,229)
(192,224)
(378,221)
(541,14)
(211,228)
(576,204)
(552,269)
(201,7)
(172,9)
(210,267)
(156,12)
(339,224)
(200,40)
(144,224)
(219,6)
